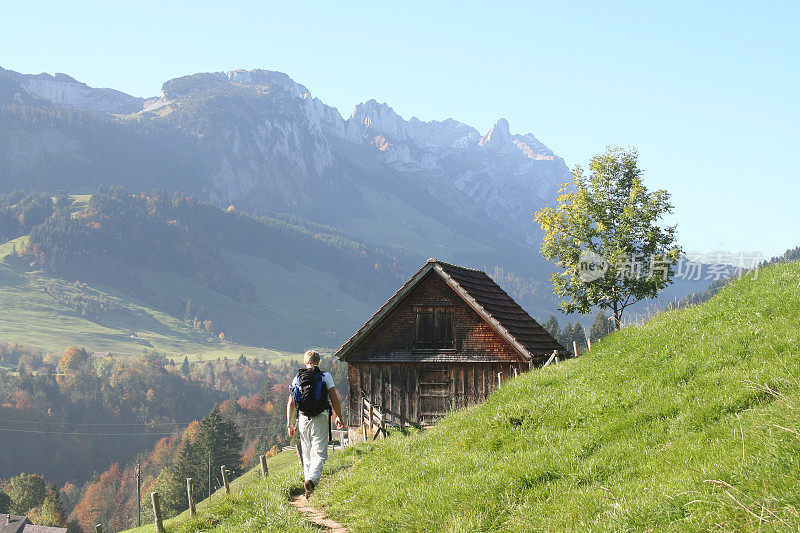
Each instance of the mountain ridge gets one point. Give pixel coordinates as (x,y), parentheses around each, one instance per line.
(498,176)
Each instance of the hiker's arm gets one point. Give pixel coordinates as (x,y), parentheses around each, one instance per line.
(290,415)
(337,407)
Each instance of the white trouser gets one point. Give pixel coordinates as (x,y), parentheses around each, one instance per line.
(314,442)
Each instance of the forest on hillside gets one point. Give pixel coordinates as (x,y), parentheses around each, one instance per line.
(46,148)
(20,211)
(119,233)
(79,424)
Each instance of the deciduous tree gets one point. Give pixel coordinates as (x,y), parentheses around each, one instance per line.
(604,236)
(26,492)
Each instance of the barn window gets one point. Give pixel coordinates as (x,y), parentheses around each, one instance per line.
(434,328)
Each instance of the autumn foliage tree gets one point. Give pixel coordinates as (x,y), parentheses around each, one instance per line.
(110,491)
(74,359)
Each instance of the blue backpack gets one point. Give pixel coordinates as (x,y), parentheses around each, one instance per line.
(310,393)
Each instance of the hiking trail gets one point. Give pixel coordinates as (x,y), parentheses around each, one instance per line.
(315,515)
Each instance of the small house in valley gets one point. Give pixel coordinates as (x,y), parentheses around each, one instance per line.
(10,523)
(445,340)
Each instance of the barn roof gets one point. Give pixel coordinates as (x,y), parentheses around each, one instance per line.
(486,297)
(10,523)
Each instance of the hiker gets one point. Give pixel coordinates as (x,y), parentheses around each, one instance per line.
(310,392)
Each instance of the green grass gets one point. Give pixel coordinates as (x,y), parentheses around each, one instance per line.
(255,504)
(668,426)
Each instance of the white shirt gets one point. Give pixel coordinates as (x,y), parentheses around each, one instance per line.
(326,377)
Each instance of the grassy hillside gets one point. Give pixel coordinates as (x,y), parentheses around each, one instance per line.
(292,309)
(690,422)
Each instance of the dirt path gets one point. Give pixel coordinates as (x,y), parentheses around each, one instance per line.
(316,515)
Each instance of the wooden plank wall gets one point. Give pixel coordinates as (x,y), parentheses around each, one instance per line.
(395,387)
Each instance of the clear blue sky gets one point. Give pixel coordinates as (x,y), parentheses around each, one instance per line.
(708,92)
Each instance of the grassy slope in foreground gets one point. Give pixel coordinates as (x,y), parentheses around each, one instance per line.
(254,505)
(642,433)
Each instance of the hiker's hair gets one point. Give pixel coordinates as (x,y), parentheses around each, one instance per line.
(311,357)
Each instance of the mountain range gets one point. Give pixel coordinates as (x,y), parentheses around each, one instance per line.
(259,141)
(269,145)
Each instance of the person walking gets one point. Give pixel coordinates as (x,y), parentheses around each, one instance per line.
(310,392)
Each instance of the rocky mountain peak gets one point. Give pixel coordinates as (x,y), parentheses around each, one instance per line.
(63,90)
(275,81)
(381,118)
(373,118)
(498,138)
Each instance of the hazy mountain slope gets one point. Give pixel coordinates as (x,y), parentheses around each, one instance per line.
(180,276)
(293,310)
(49,148)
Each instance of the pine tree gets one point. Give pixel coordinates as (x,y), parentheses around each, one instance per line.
(186,367)
(50,512)
(221,438)
(217,440)
(579,335)
(573,333)
(601,327)
(552,327)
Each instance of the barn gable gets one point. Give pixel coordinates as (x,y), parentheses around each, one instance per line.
(498,321)
(393,338)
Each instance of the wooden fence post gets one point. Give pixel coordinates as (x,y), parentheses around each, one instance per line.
(371,415)
(515,371)
(154,497)
(98,528)
(225,479)
(190,495)
(575,348)
(589,343)
(499,383)
(264,468)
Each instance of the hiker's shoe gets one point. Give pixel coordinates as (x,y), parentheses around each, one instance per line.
(309,485)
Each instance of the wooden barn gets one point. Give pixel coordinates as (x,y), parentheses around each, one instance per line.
(443,341)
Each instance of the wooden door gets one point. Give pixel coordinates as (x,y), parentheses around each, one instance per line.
(434,392)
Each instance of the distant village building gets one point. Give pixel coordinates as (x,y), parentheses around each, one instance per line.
(10,523)
(443,341)
(100,355)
